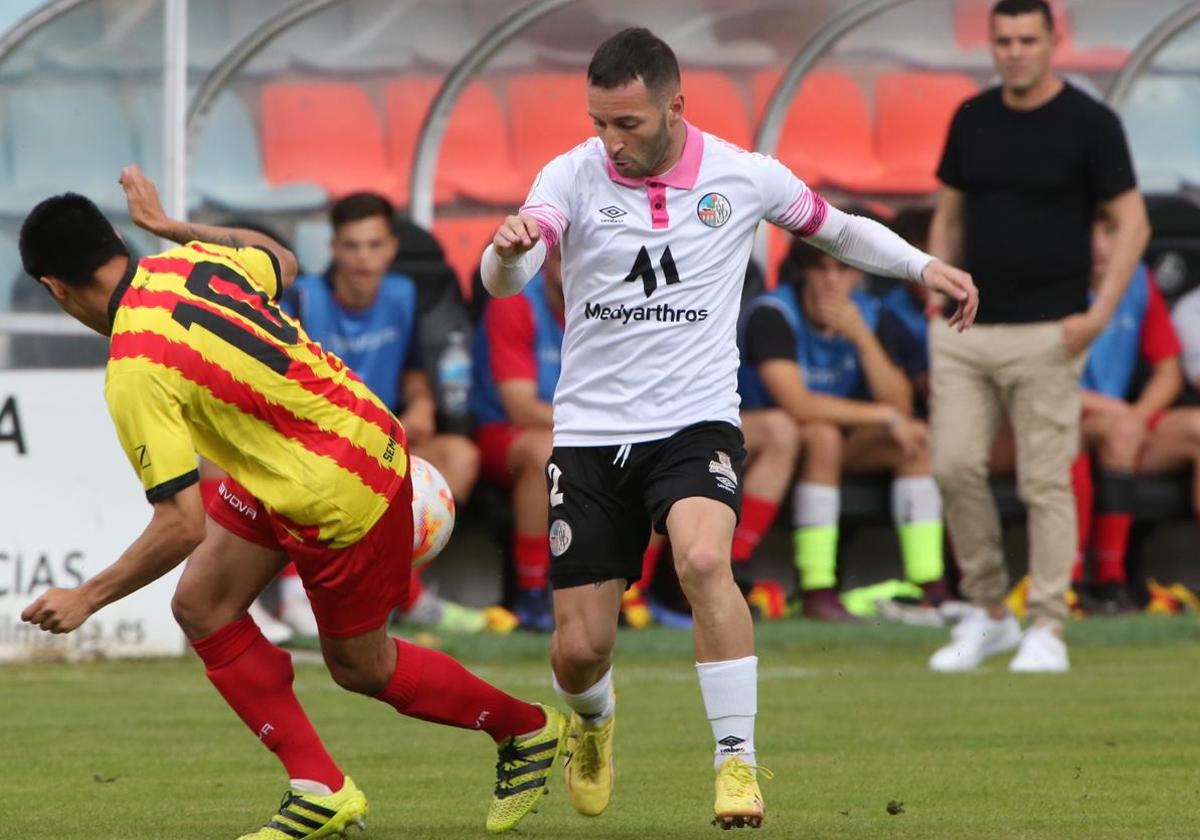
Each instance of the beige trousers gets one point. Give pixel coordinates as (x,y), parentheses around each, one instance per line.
(1022,372)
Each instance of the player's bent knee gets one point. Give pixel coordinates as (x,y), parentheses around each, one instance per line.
(467,455)
(532,450)
(821,444)
(185,614)
(1125,439)
(823,435)
(699,565)
(782,433)
(199,616)
(357,680)
(578,651)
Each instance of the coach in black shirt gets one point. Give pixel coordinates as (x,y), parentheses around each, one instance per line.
(1027,168)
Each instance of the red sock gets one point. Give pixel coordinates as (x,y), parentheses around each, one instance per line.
(429,685)
(415,590)
(255,678)
(532,557)
(1085,503)
(650,563)
(757,517)
(1111,539)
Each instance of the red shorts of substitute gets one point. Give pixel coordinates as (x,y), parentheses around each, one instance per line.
(354,589)
(495,440)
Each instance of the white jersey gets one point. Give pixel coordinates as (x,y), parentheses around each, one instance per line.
(652,275)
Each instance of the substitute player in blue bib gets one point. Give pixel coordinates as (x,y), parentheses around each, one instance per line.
(367,315)
(822,351)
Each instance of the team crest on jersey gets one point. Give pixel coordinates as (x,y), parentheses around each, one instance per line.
(560,537)
(714,210)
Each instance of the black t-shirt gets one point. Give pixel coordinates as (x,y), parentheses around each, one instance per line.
(1032,181)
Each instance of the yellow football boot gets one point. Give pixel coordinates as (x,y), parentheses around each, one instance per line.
(739,803)
(589,765)
(303,816)
(522,770)
(635,612)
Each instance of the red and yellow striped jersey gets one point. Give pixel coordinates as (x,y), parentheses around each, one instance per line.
(202,360)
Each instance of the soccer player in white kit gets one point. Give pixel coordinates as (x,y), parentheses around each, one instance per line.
(656,222)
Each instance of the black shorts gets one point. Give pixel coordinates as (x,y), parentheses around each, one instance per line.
(604,499)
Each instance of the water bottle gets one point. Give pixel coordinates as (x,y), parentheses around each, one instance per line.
(454,374)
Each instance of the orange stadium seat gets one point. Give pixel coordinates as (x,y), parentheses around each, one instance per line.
(913,114)
(463,239)
(467,166)
(407,100)
(713,103)
(827,133)
(778,243)
(547,116)
(327,133)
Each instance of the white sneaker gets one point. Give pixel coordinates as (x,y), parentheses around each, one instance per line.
(974,639)
(1041,652)
(275,631)
(295,609)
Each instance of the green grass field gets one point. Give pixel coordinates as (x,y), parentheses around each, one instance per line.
(849,720)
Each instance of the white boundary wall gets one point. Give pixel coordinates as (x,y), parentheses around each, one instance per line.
(69,505)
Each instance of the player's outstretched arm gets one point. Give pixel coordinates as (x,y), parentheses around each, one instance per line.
(515,254)
(175,530)
(868,245)
(146,211)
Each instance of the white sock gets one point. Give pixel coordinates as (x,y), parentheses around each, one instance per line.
(310,787)
(916,499)
(596,704)
(730,691)
(815,505)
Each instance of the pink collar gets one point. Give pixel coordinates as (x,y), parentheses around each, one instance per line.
(682,175)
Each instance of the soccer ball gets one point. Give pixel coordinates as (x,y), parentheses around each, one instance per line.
(433,511)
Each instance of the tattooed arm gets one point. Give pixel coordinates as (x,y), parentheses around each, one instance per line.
(146,211)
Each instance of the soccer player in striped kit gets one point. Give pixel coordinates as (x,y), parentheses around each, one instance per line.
(202,360)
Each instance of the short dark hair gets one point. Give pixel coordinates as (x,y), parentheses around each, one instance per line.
(1012,8)
(632,54)
(361,205)
(66,236)
(800,256)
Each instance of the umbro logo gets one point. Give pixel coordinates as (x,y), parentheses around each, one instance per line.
(611,213)
(731,741)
